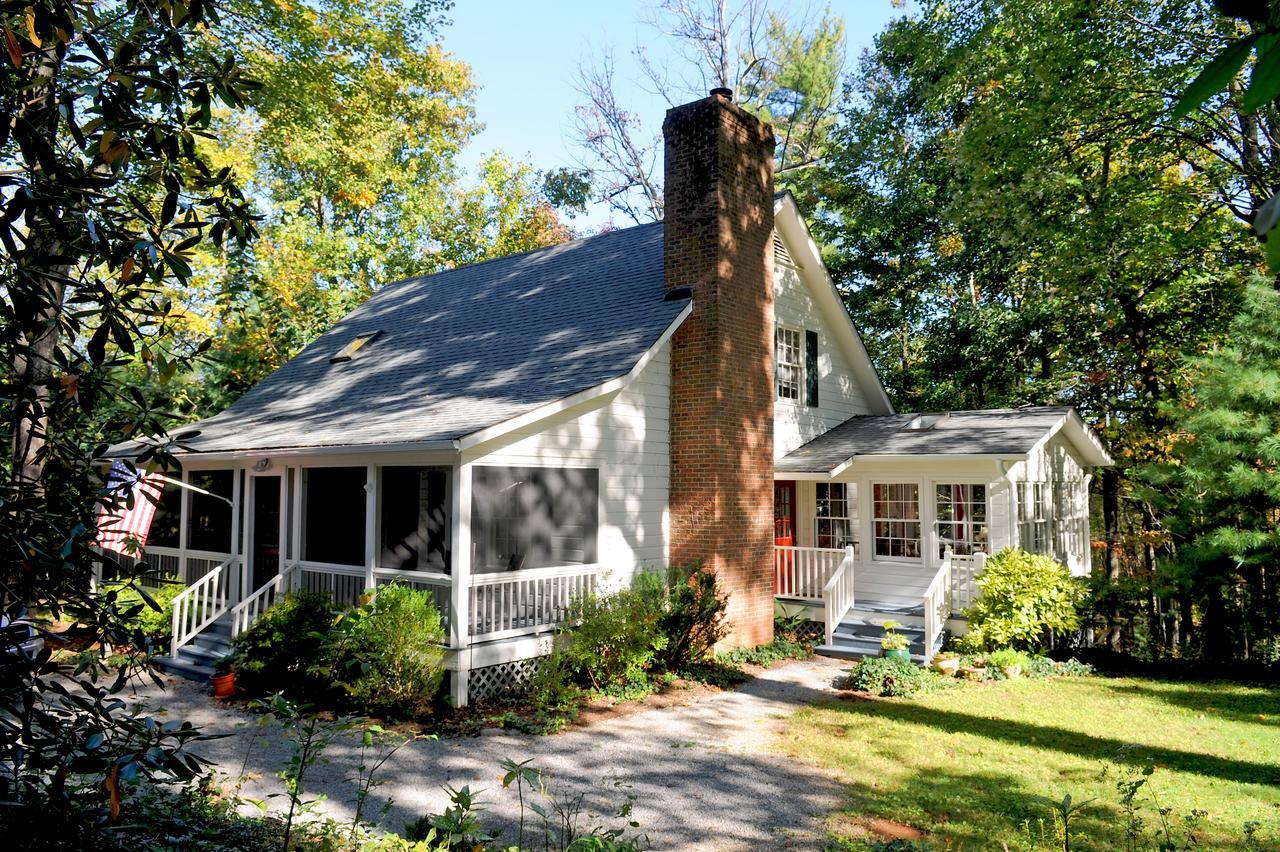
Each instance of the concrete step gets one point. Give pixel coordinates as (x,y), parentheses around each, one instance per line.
(184,667)
(203,654)
(857,651)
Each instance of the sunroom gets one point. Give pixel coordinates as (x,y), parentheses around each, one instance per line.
(894,515)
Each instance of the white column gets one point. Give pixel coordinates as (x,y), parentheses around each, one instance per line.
(460,571)
(237,546)
(370,524)
(183,514)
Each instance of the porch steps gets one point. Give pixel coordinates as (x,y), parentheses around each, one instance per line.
(859,634)
(197,658)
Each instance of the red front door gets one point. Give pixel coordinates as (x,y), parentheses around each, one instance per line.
(784,513)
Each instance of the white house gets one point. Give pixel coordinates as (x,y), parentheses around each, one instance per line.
(513,433)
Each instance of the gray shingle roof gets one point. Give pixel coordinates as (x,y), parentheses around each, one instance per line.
(1004,431)
(463,350)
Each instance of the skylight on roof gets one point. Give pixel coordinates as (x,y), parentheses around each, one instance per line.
(924,422)
(357,343)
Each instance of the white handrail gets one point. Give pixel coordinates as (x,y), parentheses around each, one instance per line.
(964,573)
(516,603)
(937,605)
(801,572)
(199,605)
(837,594)
(246,613)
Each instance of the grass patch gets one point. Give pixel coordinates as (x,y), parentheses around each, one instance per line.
(978,766)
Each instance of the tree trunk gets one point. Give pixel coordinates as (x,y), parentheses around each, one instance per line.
(1111,526)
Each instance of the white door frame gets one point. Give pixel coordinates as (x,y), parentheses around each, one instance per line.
(247,567)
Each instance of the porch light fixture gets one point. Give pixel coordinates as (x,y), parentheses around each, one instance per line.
(261,464)
(357,343)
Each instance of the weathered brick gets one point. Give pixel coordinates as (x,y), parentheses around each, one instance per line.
(718,241)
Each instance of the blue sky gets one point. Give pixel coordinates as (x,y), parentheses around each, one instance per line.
(523,56)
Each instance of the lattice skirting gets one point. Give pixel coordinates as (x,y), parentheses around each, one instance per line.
(503,680)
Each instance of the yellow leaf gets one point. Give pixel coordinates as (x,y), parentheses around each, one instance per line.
(31,27)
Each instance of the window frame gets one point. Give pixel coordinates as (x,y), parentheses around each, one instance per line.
(850,516)
(918,521)
(937,522)
(1035,516)
(779,365)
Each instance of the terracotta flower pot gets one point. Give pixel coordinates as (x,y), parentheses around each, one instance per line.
(224,685)
(1012,671)
(947,666)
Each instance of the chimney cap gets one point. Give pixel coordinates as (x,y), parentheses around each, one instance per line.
(722,92)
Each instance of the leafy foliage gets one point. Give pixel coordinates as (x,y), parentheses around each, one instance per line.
(381,656)
(396,653)
(892,677)
(691,608)
(1220,492)
(1024,597)
(613,642)
(105,199)
(151,615)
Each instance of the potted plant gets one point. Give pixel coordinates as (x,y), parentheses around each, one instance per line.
(975,669)
(894,644)
(946,662)
(224,678)
(1008,661)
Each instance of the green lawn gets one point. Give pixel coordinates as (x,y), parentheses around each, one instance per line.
(970,765)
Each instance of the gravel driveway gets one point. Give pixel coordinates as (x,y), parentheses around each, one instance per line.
(701,773)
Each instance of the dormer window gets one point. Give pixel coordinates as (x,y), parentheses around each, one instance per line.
(357,343)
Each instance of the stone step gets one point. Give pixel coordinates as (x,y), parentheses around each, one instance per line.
(202,653)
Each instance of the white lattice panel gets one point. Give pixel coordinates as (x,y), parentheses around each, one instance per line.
(504,679)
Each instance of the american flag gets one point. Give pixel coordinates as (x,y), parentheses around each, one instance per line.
(125,529)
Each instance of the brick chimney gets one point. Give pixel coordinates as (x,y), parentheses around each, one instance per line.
(718,232)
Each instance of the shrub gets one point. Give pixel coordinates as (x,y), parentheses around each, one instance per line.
(1045,667)
(287,648)
(392,663)
(147,619)
(1005,657)
(691,609)
(892,677)
(612,642)
(1024,598)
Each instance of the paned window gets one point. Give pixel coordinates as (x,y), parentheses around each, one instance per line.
(961,518)
(790,367)
(833,520)
(896,519)
(1034,517)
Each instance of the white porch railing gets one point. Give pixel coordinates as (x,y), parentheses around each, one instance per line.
(802,572)
(837,595)
(344,583)
(523,602)
(937,607)
(246,613)
(964,571)
(200,604)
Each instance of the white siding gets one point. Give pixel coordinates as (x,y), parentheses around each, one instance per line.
(627,439)
(839,396)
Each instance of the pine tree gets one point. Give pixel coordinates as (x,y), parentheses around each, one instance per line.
(1224,511)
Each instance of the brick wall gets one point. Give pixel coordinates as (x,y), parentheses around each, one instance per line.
(718,241)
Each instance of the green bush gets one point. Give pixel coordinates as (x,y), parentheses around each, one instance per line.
(286,650)
(893,677)
(392,663)
(1024,598)
(612,642)
(691,607)
(147,619)
(382,656)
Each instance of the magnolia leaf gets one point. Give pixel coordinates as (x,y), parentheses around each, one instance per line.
(1272,248)
(31,28)
(1215,77)
(1264,83)
(15,49)
(1267,216)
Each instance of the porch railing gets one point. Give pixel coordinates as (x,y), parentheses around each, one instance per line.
(837,594)
(529,601)
(200,604)
(344,583)
(246,613)
(963,589)
(937,606)
(802,572)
